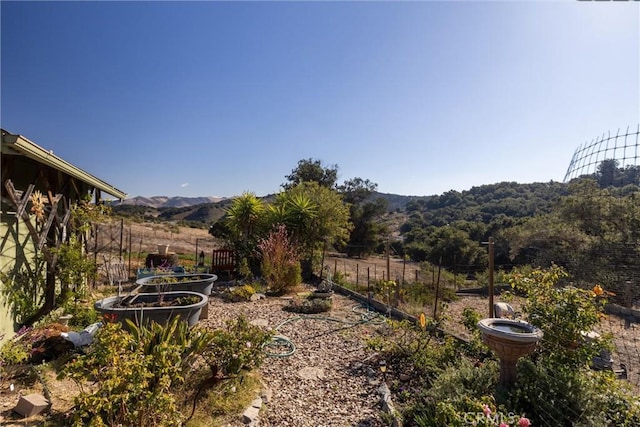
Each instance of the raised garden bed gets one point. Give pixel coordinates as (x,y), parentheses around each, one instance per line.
(199,282)
(157,307)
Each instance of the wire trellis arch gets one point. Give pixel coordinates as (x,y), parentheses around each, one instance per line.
(623,147)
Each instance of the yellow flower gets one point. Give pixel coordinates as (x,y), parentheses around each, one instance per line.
(597,289)
(423,321)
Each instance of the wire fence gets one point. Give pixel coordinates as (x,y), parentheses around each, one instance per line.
(120,249)
(624,148)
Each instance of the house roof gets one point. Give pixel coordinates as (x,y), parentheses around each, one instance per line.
(18,144)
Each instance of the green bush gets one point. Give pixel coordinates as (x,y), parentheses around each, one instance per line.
(554,387)
(309,305)
(456,396)
(135,374)
(22,289)
(242,293)
(416,350)
(573,397)
(235,348)
(83,314)
(13,352)
(564,314)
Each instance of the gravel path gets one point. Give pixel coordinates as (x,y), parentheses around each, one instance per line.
(326,381)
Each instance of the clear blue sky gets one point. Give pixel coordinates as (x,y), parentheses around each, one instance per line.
(217,98)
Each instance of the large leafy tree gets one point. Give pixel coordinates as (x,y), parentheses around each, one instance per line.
(453,247)
(366,232)
(608,173)
(312,170)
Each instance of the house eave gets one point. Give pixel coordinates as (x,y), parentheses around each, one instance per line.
(30,149)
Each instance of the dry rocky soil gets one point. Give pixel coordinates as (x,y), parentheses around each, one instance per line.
(331,379)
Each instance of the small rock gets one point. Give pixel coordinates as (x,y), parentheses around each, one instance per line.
(310,373)
(31,404)
(250,415)
(257,402)
(267,395)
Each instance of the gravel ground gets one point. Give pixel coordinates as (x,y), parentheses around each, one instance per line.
(326,381)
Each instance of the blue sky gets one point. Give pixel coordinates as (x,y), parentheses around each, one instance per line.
(218,98)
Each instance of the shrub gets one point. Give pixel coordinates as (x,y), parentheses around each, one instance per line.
(22,289)
(135,374)
(309,305)
(237,347)
(280,261)
(417,351)
(564,314)
(12,352)
(462,392)
(83,314)
(576,397)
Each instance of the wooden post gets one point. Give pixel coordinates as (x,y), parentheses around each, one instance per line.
(404,266)
(388,260)
(435,305)
(368,285)
(195,260)
(490,276)
(324,249)
(129,269)
(95,255)
(628,301)
(121,235)
(433,276)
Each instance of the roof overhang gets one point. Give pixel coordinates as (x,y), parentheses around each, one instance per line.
(18,144)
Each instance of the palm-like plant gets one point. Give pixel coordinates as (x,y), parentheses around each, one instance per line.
(244,216)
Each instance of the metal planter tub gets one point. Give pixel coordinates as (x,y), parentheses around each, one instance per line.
(196,282)
(143,308)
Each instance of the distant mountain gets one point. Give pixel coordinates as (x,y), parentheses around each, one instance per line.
(169,202)
(201,211)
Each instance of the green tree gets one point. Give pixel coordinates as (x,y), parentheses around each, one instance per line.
(366,232)
(311,170)
(453,247)
(297,211)
(315,215)
(244,221)
(608,173)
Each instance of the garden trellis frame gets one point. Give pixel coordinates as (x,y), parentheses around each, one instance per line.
(623,148)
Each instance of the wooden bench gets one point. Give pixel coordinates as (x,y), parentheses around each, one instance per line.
(223,261)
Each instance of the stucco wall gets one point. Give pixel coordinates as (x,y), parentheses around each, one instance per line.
(16,249)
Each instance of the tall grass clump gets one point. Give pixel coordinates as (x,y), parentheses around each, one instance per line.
(280,261)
